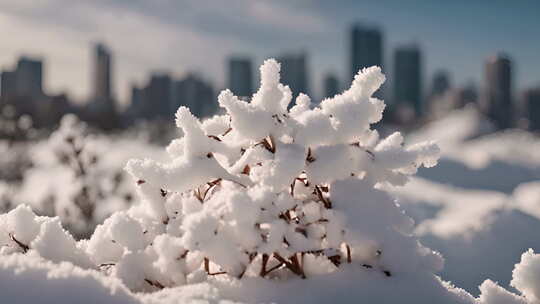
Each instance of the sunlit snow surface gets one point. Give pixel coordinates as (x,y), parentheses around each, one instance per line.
(480,207)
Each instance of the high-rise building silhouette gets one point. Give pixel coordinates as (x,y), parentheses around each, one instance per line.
(294,72)
(440,84)
(29,77)
(8,85)
(101,110)
(196,94)
(158,96)
(102,73)
(408,78)
(366,48)
(22,89)
(240,76)
(531,100)
(137,96)
(497,99)
(136,110)
(331,86)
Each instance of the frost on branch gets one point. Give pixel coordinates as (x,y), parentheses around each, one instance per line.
(263,191)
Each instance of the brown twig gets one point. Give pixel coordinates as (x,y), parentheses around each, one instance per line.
(326,202)
(310,158)
(183,255)
(197,194)
(23,246)
(227,132)
(335,259)
(154,283)
(268,143)
(274,268)
(214,137)
(207,268)
(265,258)
(211,185)
(293,265)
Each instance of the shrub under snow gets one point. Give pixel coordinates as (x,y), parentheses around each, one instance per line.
(75,175)
(260,193)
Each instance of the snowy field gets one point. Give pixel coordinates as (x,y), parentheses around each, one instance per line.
(267,205)
(480,206)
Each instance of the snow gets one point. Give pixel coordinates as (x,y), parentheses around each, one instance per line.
(264,204)
(478,206)
(27,279)
(526,276)
(492,293)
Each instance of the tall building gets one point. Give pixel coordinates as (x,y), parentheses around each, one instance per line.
(294,72)
(102,73)
(240,76)
(497,101)
(8,85)
(408,78)
(137,96)
(531,99)
(158,96)
(440,84)
(29,77)
(366,48)
(196,94)
(331,86)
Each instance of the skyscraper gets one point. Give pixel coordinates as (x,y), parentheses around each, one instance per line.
(331,86)
(408,78)
(158,96)
(497,101)
(441,83)
(294,72)
(531,99)
(240,76)
(8,85)
(366,48)
(102,73)
(196,94)
(29,77)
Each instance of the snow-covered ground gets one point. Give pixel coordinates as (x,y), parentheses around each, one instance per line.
(214,218)
(480,206)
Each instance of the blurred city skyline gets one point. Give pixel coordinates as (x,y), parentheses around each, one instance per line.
(184,36)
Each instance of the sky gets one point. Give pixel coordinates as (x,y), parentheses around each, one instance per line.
(197,36)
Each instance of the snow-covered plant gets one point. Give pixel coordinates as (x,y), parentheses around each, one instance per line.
(15,127)
(68,180)
(261,191)
(14,130)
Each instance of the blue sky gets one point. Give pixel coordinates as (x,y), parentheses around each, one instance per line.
(194,35)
